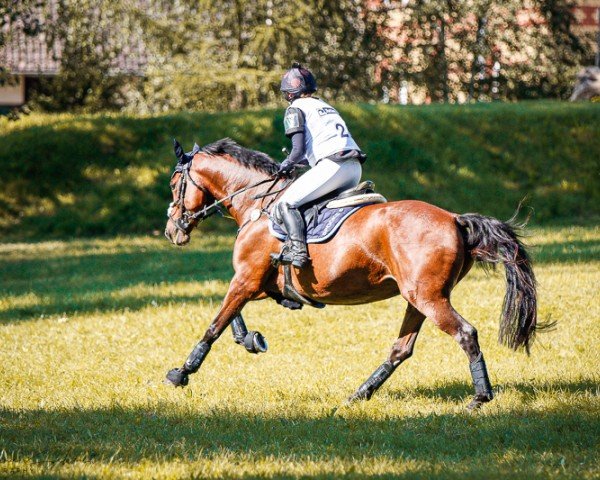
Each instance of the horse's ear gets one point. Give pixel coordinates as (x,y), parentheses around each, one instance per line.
(179,153)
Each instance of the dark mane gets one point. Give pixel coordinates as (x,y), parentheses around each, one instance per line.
(248,158)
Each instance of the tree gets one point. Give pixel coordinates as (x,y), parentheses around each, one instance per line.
(237,51)
(479,49)
(91,35)
(558,53)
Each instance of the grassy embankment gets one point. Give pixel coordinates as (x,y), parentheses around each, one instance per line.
(88,329)
(88,175)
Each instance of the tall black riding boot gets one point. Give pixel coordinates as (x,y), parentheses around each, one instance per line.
(294,251)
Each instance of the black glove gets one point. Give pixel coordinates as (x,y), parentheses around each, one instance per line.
(286,168)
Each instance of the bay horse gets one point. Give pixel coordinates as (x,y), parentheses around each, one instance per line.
(408,248)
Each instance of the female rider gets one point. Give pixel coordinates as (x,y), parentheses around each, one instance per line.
(320,136)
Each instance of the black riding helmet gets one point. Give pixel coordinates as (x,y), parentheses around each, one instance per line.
(296,81)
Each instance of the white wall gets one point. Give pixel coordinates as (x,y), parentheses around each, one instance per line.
(13,95)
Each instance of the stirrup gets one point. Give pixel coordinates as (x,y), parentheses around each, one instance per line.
(290,292)
(300,262)
(288,256)
(278,259)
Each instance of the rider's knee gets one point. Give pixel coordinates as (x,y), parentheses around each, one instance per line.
(277,212)
(280,209)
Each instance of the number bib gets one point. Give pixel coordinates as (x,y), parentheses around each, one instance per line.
(325,131)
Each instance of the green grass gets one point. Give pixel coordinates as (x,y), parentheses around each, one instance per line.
(65,175)
(88,328)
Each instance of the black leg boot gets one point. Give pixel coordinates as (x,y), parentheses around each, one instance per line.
(294,251)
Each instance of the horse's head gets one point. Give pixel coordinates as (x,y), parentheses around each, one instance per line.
(190,198)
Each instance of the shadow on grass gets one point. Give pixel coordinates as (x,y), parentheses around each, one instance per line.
(58,306)
(91,283)
(462,392)
(566,252)
(473,443)
(466,158)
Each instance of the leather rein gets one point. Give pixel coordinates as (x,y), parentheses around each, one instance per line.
(184,222)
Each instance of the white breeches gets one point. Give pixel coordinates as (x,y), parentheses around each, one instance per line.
(325,177)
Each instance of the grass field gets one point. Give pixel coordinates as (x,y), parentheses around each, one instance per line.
(88,328)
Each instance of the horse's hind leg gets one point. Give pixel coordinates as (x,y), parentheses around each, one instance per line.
(442,313)
(402,350)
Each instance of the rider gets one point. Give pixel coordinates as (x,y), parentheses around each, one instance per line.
(320,136)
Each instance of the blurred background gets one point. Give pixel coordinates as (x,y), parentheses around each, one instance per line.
(154,55)
(92,91)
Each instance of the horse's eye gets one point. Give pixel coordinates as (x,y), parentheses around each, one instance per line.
(173,186)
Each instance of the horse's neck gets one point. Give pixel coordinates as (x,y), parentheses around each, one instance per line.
(226,177)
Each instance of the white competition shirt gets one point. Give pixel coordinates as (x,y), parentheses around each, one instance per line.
(326,132)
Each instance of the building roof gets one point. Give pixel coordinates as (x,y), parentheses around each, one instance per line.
(34,55)
(30,55)
(587,16)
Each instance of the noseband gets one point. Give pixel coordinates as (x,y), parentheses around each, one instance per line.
(184,222)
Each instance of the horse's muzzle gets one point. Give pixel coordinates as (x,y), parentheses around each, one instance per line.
(176,236)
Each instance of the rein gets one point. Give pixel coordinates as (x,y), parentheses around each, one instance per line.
(184,222)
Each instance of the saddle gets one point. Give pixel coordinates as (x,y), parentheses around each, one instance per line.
(323,219)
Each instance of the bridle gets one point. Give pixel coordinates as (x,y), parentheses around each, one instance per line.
(185,222)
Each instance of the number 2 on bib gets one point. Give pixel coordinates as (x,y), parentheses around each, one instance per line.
(340,127)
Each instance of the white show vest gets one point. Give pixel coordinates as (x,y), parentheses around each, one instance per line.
(326,132)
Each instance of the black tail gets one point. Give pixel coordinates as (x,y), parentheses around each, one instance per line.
(491,241)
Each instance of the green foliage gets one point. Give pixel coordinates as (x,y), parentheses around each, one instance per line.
(91,34)
(105,174)
(28,12)
(553,56)
(481,49)
(231,54)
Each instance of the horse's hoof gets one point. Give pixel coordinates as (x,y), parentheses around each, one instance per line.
(291,304)
(358,396)
(255,342)
(177,377)
(478,401)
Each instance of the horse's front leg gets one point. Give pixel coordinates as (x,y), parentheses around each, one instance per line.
(235,299)
(253,342)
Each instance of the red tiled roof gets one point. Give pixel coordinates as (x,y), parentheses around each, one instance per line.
(587,16)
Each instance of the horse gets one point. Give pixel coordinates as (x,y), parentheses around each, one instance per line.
(409,248)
